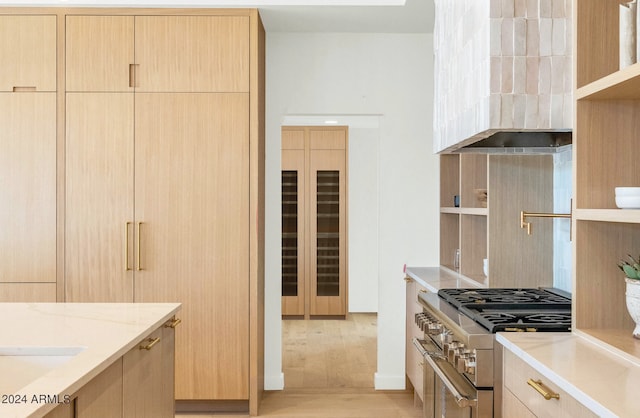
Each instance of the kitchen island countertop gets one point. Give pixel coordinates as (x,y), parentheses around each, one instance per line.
(604,382)
(66,345)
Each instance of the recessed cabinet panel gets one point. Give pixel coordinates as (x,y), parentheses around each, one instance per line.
(99,230)
(99,53)
(28,187)
(167,58)
(192,211)
(28,53)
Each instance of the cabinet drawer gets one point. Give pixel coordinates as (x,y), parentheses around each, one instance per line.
(516,375)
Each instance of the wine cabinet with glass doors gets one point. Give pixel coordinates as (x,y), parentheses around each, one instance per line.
(314,221)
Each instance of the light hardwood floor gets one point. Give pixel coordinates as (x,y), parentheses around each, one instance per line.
(329,367)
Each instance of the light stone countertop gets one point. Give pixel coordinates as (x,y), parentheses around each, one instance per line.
(93,335)
(604,382)
(436,278)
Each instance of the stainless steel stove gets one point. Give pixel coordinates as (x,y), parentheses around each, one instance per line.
(463,363)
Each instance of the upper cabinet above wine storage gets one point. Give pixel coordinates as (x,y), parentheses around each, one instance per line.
(27,53)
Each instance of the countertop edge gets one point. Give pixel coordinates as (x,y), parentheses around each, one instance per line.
(89,370)
(565,384)
(436,278)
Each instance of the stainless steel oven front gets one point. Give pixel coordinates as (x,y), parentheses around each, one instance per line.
(448,393)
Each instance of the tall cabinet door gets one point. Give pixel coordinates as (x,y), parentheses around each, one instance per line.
(192,215)
(169,60)
(99,197)
(327,224)
(293,230)
(27,188)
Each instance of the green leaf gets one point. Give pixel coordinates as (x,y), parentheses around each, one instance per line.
(630,272)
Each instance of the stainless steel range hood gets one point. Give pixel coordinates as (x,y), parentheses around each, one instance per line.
(529,142)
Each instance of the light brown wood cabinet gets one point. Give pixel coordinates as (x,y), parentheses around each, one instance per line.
(28,159)
(137,385)
(606,129)
(521,399)
(314,221)
(513,183)
(28,51)
(163,173)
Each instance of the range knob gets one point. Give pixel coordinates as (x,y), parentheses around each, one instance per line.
(435,328)
(470,364)
(446,338)
(462,358)
(457,352)
(452,348)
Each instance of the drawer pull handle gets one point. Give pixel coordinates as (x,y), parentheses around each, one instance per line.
(546,393)
(150,343)
(174,323)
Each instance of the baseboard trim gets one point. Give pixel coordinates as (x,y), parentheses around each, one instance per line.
(389,382)
(274,382)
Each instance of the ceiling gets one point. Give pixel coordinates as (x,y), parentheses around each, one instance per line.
(364,16)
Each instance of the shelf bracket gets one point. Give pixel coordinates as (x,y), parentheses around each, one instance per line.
(526,224)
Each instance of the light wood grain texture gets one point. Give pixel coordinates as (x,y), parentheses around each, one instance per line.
(166,399)
(99,51)
(143,382)
(596,36)
(449,238)
(192,186)
(631,216)
(601,245)
(513,407)
(28,51)
(327,138)
(169,60)
(473,246)
(293,160)
(342,403)
(27,292)
(293,138)
(257,206)
(519,183)
(329,354)
(606,150)
(63,411)
(327,160)
(517,373)
(28,187)
(449,178)
(99,197)
(473,174)
(102,397)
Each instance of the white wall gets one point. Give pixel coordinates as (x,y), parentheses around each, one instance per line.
(562,194)
(360,74)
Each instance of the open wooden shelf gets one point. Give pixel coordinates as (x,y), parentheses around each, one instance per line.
(621,85)
(466,211)
(605,143)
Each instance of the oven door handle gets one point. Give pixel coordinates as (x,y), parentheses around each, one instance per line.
(419,344)
(464,393)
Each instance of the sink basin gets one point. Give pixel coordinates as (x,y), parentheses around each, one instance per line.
(19,366)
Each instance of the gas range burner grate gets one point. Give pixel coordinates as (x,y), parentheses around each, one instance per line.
(520,319)
(503,297)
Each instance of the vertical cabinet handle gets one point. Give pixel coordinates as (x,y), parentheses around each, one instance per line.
(138,256)
(126,246)
(133,70)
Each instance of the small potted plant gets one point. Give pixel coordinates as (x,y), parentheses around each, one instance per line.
(631,269)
